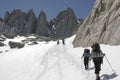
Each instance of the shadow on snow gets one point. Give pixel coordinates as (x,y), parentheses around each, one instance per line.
(108,77)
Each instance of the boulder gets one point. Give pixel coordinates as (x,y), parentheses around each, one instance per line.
(16,44)
(2,44)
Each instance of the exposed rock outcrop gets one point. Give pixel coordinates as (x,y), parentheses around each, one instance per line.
(102,25)
(2,44)
(2,26)
(16,44)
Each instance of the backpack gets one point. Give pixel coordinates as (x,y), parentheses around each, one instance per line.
(86,53)
(86,50)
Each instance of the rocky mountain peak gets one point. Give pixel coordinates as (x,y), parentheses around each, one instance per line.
(70,10)
(42,25)
(65,23)
(42,16)
(30,11)
(19,23)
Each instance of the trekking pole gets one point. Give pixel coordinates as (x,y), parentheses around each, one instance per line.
(89,64)
(88,68)
(109,64)
(81,64)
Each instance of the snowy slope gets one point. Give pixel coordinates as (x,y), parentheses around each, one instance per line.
(54,62)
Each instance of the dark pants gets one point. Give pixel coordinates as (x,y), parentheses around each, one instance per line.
(86,60)
(97,64)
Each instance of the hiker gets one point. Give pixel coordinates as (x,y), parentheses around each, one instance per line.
(63,41)
(86,56)
(97,56)
(58,42)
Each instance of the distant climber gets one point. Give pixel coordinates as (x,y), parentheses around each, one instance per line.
(63,41)
(58,42)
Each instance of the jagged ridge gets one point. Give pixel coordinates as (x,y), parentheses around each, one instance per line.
(21,23)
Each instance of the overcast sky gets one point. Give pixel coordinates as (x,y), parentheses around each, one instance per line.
(50,7)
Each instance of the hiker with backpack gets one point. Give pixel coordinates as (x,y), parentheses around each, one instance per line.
(86,56)
(97,56)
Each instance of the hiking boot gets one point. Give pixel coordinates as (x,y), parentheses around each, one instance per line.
(86,68)
(98,78)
